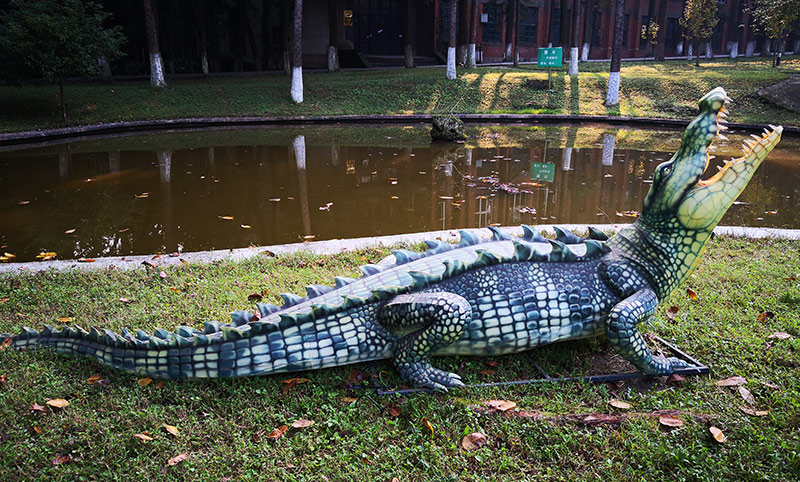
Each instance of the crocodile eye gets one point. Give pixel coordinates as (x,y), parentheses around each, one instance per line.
(666,170)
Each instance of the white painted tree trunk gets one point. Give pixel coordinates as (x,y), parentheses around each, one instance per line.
(585,52)
(297,84)
(333,58)
(709,52)
(679,49)
(204,63)
(750,48)
(573,61)
(612,97)
(796,48)
(507,56)
(733,49)
(471,56)
(690,52)
(451,63)
(462,55)
(408,53)
(609,141)
(157,71)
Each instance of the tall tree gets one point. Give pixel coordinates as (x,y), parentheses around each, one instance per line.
(576,26)
(511,22)
(333,36)
(464,10)
(563,24)
(54,39)
(588,29)
(661,40)
(451,47)
(408,47)
(156,64)
(776,19)
(699,19)
(515,50)
(473,33)
(612,94)
(297,52)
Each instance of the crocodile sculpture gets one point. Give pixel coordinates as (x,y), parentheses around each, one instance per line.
(483,296)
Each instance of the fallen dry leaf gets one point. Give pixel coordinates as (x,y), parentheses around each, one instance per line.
(302,423)
(163,275)
(255,297)
(177,459)
(246,226)
(473,441)
(37,408)
(171,429)
(69,231)
(731,382)
(57,403)
(691,294)
(717,434)
(428,425)
(86,260)
(126,300)
(619,404)
(62,459)
(753,412)
(226,218)
(3,379)
(676,379)
(143,437)
(143,382)
(501,405)
(38,430)
(767,315)
(348,400)
(747,396)
(159,384)
(65,319)
(669,421)
(394,410)
(671,312)
(6,343)
(278,432)
(780,335)
(3,300)
(293,382)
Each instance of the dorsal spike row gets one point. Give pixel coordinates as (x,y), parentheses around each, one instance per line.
(369,269)
(596,234)
(532,235)
(565,236)
(485,258)
(468,238)
(498,234)
(403,256)
(290,299)
(266,309)
(317,290)
(561,253)
(342,281)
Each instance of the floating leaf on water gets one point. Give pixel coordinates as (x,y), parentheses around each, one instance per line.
(309,237)
(22,203)
(747,396)
(731,382)
(275,199)
(473,441)
(177,459)
(767,315)
(245,226)
(171,429)
(69,231)
(395,197)
(143,195)
(65,319)
(143,382)
(226,218)
(501,405)
(45,255)
(57,403)
(780,335)
(143,437)
(619,404)
(691,294)
(302,423)
(717,434)
(670,421)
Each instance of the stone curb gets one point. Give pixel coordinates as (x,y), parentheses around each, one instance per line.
(98,130)
(335,246)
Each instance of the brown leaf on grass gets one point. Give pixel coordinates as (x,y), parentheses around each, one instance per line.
(292,383)
(619,404)
(691,294)
(37,408)
(473,441)
(278,432)
(143,382)
(427,425)
(57,403)
(765,316)
(394,410)
(676,379)
(6,343)
(753,412)
(3,379)
(302,423)
(493,364)
(747,396)
(348,400)
(126,300)
(159,384)
(717,434)
(148,264)
(671,312)
(177,459)
(183,261)
(62,459)
(86,260)
(171,429)
(670,421)
(731,382)
(38,430)
(601,418)
(255,297)
(501,405)
(487,373)
(65,319)
(163,275)
(780,335)
(143,437)
(3,300)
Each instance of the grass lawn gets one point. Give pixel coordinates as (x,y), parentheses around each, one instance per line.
(669,89)
(224,426)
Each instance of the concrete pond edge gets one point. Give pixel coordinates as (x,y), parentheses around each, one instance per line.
(28,138)
(334,246)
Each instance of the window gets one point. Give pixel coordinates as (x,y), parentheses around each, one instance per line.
(492,29)
(625,30)
(528,24)
(673,33)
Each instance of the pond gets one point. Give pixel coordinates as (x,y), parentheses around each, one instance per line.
(191,191)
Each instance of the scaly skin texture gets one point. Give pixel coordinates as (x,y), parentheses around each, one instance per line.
(480,297)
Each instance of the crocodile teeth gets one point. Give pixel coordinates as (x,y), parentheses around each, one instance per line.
(723,137)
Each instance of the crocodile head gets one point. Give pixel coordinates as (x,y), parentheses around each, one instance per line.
(682,209)
(680,194)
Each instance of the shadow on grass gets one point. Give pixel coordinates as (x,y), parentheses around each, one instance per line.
(574,95)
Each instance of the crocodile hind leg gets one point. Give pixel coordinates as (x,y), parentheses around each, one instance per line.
(627,341)
(437,319)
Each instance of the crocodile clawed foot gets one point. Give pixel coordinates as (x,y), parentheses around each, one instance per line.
(666,366)
(425,375)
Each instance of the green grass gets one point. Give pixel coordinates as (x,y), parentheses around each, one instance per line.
(669,89)
(224,424)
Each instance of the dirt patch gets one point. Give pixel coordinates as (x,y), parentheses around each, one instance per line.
(785,94)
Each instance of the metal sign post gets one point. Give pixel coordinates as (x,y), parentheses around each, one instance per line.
(549,57)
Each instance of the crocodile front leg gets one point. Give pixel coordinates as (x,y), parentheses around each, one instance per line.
(626,339)
(438,320)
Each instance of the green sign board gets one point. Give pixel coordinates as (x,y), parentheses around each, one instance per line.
(550,57)
(543,171)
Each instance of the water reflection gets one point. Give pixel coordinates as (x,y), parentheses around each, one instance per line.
(192,196)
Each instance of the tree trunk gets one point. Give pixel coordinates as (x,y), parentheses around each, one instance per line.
(612,95)
(588,30)
(511,15)
(576,26)
(563,20)
(408,49)
(464,10)
(651,16)
(297,52)
(662,30)
(473,33)
(781,45)
(696,47)
(333,36)
(156,64)
(63,104)
(451,47)
(515,50)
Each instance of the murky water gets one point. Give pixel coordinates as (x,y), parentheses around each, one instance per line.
(234,188)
